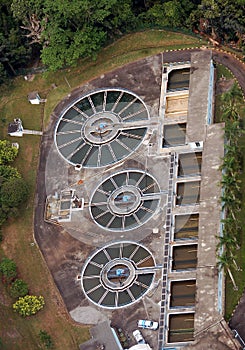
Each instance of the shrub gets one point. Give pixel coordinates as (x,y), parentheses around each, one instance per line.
(28,305)
(13,192)
(8,172)
(8,269)
(46,339)
(8,153)
(18,288)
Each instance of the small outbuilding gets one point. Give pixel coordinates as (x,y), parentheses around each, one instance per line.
(34,98)
(15,128)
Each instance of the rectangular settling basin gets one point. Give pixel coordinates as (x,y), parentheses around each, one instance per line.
(178,79)
(186,227)
(188,193)
(181,328)
(189,164)
(183,293)
(184,257)
(174,135)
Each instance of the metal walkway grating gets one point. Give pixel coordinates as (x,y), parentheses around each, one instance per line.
(162,323)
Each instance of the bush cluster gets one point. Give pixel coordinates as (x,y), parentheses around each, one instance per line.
(29,305)
(26,305)
(13,189)
(46,339)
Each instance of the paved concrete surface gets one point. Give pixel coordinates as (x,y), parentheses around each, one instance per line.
(209,229)
(198,95)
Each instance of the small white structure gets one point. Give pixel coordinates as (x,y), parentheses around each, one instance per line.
(140,347)
(196,145)
(16,128)
(16,145)
(35,99)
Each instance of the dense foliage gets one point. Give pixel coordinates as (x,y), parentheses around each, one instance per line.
(8,172)
(8,153)
(19,288)
(28,305)
(232,102)
(8,269)
(14,48)
(13,189)
(46,339)
(61,31)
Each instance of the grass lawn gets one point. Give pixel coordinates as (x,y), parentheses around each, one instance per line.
(224,75)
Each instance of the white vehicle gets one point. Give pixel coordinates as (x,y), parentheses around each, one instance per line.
(138,337)
(147,324)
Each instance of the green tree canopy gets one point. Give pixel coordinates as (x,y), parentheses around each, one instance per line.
(8,269)
(8,153)
(13,189)
(14,49)
(172,13)
(70,29)
(19,288)
(7,172)
(13,192)
(223,19)
(74,29)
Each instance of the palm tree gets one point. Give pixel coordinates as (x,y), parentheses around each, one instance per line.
(231,228)
(230,112)
(231,225)
(231,202)
(227,242)
(224,263)
(233,130)
(233,96)
(233,150)
(231,181)
(231,164)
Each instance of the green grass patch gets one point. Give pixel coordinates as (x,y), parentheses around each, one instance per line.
(223,72)
(223,76)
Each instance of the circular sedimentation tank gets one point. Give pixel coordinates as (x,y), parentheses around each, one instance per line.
(118,274)
(101,128)
(125,200)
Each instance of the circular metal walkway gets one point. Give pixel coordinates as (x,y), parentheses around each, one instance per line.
(125,200)
(101,128)
(118,274)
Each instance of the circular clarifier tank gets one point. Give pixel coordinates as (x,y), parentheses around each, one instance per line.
(118,274)
(125,200)
(101,128)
